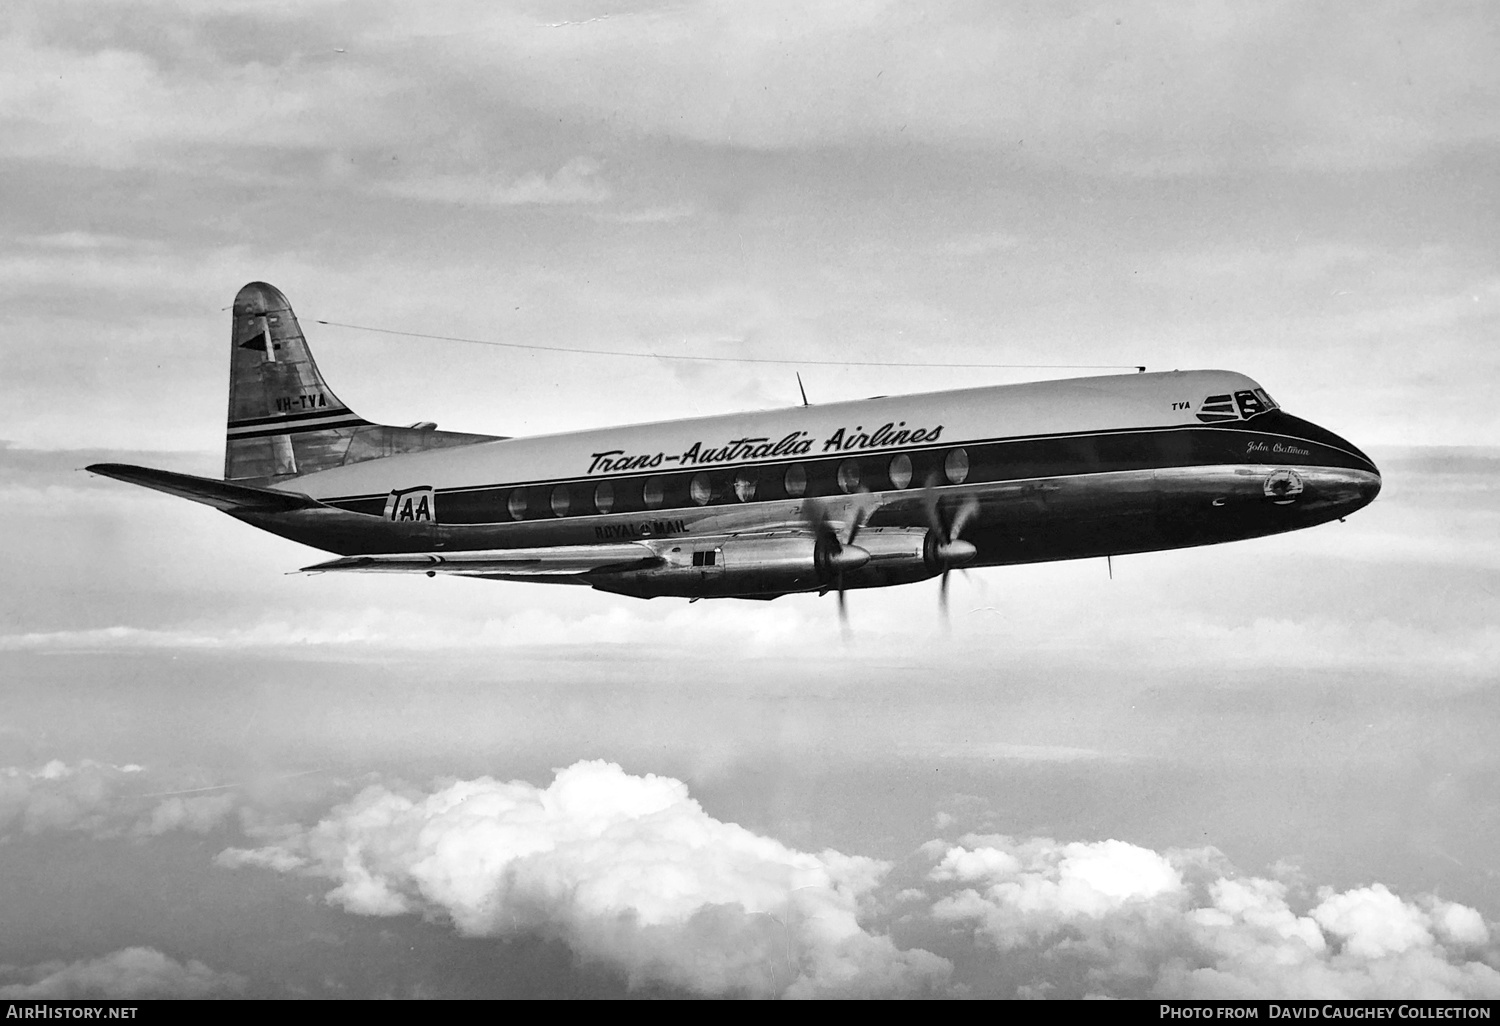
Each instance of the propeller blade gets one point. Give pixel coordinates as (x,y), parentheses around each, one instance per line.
(965,513)
(951,550)
(816,515)
(838,555)
(861,517)
(930,504)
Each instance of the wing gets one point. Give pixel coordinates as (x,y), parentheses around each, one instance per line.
(544,561)
(224,495)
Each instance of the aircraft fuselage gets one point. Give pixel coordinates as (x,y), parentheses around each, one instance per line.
(1057,470)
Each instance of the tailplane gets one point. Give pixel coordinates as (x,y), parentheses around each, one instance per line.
(224,495)
(284,420)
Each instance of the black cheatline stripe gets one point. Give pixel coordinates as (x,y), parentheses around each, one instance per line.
(809,458)
(282,418)
(280,427)
(1216,426)
(1208,433)
(303,429)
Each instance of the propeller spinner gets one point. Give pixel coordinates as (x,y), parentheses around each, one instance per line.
(837,555)
(947,523)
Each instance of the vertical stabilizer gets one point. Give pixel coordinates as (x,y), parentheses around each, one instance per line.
(279,405)
(284,420)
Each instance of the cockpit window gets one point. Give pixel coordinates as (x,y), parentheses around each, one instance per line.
(1216,408)
(1249,404)
(1240,405)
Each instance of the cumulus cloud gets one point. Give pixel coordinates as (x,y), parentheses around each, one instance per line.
(87,796)
(107,800)
(1116,919)
(125,974)
(627,870)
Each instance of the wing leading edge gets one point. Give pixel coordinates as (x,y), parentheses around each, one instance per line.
(544,561)
(224,495)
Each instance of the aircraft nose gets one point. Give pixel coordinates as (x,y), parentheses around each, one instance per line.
(1370,487)
(1353,486)
(1352,490)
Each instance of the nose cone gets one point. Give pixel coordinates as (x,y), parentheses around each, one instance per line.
(1358,477)
(1369,487)
(1342,478)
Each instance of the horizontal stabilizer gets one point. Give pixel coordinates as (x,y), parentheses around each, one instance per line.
(224,495)
(544,561)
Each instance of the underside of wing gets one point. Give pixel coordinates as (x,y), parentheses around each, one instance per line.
(545,561)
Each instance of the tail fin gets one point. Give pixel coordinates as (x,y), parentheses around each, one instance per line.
(284,420)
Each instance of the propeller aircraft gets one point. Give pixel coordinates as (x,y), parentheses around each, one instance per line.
(823,498)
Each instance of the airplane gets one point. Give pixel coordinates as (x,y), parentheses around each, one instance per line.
(815,498)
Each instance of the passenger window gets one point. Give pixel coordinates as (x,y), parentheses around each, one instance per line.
(956,467)
(560,500)
(517,505)
(900,470)
(796,481)
(849,476)
(744,485)
(604,497)
(654,494)
(701,489)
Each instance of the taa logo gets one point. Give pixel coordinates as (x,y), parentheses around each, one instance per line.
(1284,486)
(411,504)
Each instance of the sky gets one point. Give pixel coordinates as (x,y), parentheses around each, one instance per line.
(1259,769)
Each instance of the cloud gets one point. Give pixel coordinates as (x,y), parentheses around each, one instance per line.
(89,797)
(1140,92)
(199,814)
(1144,92)
(660,214)
(125,974)
(1005,750)
(577,181)
(105,800)
(131,102)
(626,870)
(763,628)
(1121,920)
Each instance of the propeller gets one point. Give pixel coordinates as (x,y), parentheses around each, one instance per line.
(836,555)
(949,549)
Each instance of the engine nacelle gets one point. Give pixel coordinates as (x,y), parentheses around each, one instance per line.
(764,566)
(898,555)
